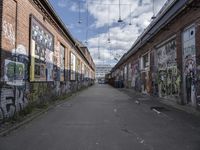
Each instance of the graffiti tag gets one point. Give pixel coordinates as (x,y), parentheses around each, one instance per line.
(8,32)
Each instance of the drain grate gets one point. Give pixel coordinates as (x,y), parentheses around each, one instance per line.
(159,108)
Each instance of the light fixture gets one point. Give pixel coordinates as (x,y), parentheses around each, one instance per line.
(86,35)
(108,40)
(153,9)
(120,19)
(79,13)
(130,15)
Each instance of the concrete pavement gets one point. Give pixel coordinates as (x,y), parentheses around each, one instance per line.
(104,118)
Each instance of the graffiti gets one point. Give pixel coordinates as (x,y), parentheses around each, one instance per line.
(168,74)
(129,72)
(14,94)
(166,55)
(41,53)
(189,63)
(62,63)
(136,79)
(49,65)
(41,36)
(82,71)
(9,32)
(78,68)
(169,82)
(73,67)
(15,67)
(56,59)
(14,72)
(7,102)
(145,82)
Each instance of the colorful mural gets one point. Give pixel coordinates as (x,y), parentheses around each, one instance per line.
(189,65)
(41,52)
(136,78)
(14,93)
(168,74)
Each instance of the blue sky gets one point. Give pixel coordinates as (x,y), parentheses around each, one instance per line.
(102,24)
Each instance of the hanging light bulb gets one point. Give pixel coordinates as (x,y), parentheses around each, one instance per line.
(153,17)
(120,20)
(86,35)
(130,23)
(108,24)
(79,13)
(108,40)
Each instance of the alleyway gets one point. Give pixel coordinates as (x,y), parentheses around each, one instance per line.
(104,118)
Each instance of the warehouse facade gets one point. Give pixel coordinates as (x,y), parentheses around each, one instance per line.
(40,60)
(164,60)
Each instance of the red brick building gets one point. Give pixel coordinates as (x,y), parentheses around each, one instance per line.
(164,60)
(39,57)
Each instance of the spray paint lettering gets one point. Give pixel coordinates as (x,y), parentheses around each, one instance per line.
(9,32)
(42,47)
(136,79)
(168,74)
(189,63)
(14,94)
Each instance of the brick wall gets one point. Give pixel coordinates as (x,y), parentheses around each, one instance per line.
(32,70)
(175,28)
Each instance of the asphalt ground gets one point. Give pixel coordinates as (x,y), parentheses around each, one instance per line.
(104,118)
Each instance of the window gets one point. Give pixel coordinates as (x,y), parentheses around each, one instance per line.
(62,62)
(78,68)
(83,71)
(73,67)
(166,55)
(145,61)
(42,47)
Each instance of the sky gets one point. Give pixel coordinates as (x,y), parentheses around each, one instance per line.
(99,22)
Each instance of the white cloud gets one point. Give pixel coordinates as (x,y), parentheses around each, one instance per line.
(122,36)
(62,3)
(76,7)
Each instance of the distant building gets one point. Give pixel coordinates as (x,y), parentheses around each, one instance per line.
(102,70)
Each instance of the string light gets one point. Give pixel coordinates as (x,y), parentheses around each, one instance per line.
(86,38)
(120,20)
(79,13)
(153,17)
(108,24)
(130,23)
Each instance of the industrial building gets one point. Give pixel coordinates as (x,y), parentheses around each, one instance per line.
(164,60)
(40,59)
